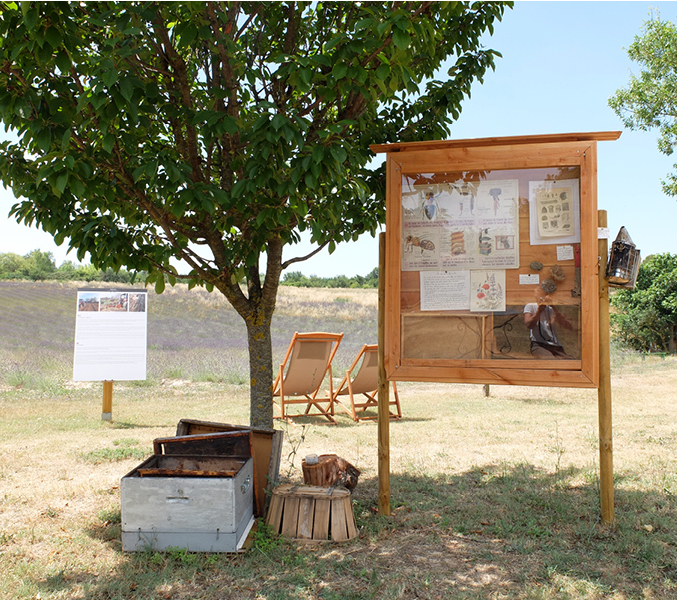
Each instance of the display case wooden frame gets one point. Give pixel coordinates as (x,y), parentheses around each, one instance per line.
(515,157)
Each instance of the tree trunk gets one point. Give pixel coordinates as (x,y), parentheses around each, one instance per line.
(260,373)
(257,310)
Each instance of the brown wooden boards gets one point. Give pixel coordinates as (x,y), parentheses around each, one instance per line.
(309,512)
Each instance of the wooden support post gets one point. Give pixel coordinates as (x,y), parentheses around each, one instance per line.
(383,390)
(107,408)
(606,468)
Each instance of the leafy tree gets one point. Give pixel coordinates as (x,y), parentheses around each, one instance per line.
(647,316)
(40,265)
(650,100)
(13,266)
(214,133)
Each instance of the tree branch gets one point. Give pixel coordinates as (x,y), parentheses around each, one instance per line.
(291,261)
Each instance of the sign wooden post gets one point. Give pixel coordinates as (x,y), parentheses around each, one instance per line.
(383,392)
(107,407)
(606,469)
(480,233)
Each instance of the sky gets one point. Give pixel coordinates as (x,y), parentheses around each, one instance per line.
(561,63)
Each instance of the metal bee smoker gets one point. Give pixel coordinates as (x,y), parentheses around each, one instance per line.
(624,261)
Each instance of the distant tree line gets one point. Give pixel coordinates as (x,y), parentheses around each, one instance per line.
(40,266)
(298,279)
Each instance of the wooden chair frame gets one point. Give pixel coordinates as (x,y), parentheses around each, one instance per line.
(355,386)
(305,387)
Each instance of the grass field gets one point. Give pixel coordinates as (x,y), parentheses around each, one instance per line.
(492,498)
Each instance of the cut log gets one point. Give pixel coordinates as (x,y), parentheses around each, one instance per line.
(331,470)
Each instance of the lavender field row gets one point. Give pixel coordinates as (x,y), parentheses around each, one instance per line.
(192,334)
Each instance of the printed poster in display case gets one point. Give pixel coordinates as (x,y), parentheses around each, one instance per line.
(460,225)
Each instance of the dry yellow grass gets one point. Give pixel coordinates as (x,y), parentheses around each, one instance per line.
(492,497)
(56,504)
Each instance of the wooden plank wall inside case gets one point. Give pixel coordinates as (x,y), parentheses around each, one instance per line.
(503,334)
(545,253)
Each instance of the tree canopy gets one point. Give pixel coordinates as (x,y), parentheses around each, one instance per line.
(650,100)
(646,317)
(216,133)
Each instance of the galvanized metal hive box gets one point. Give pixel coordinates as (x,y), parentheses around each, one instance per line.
(198,502)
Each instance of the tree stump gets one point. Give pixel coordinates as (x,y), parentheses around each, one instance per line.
(331,470)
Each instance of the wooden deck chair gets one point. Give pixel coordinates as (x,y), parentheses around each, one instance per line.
(365,382)
(307,362)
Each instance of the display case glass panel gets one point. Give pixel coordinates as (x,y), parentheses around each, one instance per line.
(492,264)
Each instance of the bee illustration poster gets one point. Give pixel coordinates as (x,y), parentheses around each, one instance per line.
(487,291)
(460,225)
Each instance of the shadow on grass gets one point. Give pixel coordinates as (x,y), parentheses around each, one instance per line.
(509,531)
(344,421)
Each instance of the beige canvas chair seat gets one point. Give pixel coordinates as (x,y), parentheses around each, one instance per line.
(301,374)
(364,383)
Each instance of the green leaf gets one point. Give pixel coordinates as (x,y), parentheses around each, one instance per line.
(229,125)
(339,154)
(339,71)
(53,37)
(110,77)
(306,76)
(139,172)
(127,88)
(160,284)
(31,17)
(382,72)
(401,38)
(108,142)
(207,204)
(278,121)
(44,139)
(62,181)
(318,153)
(63,61)
(309,180)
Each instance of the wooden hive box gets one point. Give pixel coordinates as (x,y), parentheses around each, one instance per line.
(185,496)
(266,449)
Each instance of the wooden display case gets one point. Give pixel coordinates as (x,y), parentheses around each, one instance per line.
(468,224)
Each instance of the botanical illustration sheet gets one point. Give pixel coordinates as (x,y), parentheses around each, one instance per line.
(460,226)
(487,291)
(554,213)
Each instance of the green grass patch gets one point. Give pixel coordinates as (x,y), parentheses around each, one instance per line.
(122,449)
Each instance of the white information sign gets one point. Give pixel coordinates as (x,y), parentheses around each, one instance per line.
(487,291)
(565,253)
(110,335)
(528,279)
